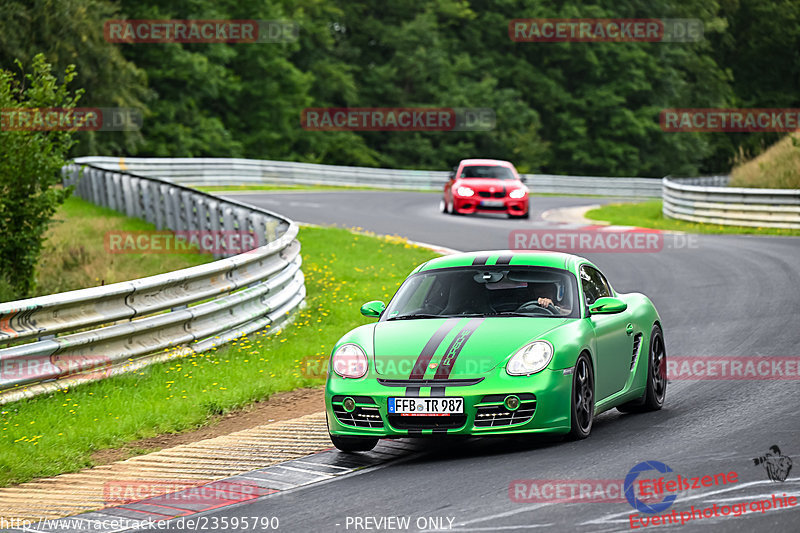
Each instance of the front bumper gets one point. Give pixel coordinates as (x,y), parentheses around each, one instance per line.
(547,393)
(472,204)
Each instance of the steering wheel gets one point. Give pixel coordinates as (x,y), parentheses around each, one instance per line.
(534,306)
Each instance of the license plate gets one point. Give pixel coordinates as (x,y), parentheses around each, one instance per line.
(492,203)
(426,406)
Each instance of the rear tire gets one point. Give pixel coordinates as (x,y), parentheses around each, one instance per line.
(582,399)
(353,444)
(654,394)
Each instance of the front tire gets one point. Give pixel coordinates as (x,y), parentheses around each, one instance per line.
(656,390)
(353,444)
(582,399)
(443,206)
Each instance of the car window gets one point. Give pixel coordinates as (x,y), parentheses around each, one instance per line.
(490,291)
(487,171)
(425,295)
(594,284)
(601,279)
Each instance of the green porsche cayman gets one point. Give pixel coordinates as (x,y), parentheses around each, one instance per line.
(495,343)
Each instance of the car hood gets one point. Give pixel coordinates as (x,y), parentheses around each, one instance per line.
(459,348)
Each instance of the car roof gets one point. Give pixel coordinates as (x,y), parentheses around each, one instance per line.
(496,162)
(510,257)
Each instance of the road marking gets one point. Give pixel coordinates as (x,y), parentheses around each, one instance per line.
(501,515)
(498,528)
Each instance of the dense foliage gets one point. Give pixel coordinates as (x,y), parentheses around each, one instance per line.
(571,108)
(30,164)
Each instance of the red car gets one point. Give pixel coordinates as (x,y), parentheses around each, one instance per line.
(485,186)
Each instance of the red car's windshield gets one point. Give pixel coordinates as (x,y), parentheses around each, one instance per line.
(487,171)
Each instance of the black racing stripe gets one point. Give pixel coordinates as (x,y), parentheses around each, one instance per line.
(504,259)
(437,391)
(421,365)
(440,431)
(414,432)
(481,259)
(412,391)
(456,345)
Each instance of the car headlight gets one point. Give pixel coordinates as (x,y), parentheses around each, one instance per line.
(517,193)
(530,359)
(464,191)
(349,361)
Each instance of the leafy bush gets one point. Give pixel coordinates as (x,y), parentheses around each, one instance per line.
(30,172)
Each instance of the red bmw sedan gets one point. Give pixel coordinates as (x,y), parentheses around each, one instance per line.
(485,186)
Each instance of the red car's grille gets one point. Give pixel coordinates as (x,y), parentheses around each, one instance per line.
(496,194)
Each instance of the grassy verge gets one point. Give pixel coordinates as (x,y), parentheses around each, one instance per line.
(75,255)
(776,168)
(649,215)
(57,433)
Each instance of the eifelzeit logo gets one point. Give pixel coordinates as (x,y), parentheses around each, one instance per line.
(775,463)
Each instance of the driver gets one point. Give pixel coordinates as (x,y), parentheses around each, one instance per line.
(546,295)
(512,297)
(546,302)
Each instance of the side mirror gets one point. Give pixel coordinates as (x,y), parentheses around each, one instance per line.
(523,179)
(373,309)
(453,173)
(607,306)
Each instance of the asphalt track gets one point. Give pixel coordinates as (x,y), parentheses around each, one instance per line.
(723,296)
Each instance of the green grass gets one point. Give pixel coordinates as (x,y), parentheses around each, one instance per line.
(75,256)
(56,433)
(649,215)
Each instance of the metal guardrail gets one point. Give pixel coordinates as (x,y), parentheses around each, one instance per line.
(215,171)
(96,332)
(710,201)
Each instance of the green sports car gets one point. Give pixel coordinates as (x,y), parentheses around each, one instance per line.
(495,343)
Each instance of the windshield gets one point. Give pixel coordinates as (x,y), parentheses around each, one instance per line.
(486,291)
(487,171)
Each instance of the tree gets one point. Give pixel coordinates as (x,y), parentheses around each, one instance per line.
(30,171)
(70,32)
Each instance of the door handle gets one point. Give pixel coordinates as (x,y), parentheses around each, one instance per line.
(629,329)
